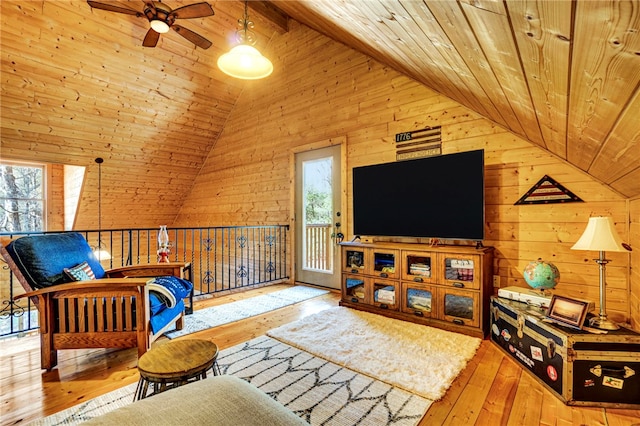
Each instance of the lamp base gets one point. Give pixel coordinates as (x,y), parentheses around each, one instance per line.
(603,323)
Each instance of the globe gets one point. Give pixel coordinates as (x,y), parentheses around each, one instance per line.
(541,275)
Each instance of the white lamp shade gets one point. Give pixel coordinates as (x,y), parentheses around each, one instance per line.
(600,235)
(159,26)
(245,62)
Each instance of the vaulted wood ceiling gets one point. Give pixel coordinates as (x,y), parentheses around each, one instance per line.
(77,84)
(564,75)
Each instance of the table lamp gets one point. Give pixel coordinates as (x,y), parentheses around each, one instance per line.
(600,235)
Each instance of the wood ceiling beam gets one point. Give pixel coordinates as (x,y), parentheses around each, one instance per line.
(272,13)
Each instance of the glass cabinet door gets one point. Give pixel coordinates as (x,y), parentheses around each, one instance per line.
(418,300)
(384,263)
(418,267)
(353,260)
(461,271)
(354,289)
(385,294)
(459,306)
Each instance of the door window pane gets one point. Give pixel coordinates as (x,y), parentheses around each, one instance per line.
(317,214)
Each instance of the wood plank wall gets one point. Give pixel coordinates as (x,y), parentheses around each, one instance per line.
(634,237)
(321,90)
(55,197)
(59,107)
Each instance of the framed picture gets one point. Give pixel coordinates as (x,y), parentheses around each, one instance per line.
(567,311)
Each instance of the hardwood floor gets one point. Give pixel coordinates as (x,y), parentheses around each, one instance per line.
(492,390)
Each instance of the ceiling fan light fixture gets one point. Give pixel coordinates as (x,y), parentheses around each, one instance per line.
(161,18)
(159,26)
(245,62)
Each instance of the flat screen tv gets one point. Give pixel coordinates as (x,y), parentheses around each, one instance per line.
(435,197)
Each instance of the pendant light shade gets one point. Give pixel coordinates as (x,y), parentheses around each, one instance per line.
(245,61)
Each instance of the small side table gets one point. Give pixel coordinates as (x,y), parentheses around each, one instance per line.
(174,364)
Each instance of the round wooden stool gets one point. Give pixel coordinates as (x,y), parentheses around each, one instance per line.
(174,364)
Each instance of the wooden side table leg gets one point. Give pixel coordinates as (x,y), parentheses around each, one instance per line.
(189,273)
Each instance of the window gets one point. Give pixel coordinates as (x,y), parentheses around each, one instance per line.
(22,197)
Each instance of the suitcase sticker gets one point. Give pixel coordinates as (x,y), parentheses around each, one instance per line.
(543,361)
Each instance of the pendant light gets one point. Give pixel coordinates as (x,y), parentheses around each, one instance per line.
(100,251)
(245,61)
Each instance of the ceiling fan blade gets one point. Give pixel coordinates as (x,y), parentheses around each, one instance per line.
(151,39)
(194,38)
(112,8)
(196,10)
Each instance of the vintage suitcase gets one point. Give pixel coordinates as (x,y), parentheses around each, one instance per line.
(579,367)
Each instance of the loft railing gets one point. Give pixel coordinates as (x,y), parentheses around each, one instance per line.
(221,258)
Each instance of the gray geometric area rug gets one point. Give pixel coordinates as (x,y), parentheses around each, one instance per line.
(320,392)
(230,312)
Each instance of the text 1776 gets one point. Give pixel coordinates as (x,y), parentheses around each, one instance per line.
(402,137)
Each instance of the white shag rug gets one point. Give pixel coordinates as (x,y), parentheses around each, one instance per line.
(421,359)
(230,312)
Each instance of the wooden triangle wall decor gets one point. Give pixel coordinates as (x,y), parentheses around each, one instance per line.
(548,191)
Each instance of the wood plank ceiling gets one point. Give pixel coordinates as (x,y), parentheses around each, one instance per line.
(562,74)
(77,84)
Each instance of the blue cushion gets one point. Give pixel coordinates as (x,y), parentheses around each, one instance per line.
(163,317)
(42,258)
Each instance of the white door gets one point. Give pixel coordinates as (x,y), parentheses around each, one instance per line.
(318,217)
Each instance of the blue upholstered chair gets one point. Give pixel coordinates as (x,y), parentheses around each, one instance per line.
(81,305)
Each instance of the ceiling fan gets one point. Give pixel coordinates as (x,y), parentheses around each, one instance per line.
(161,17)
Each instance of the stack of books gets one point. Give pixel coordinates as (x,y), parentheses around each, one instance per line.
(420,269)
